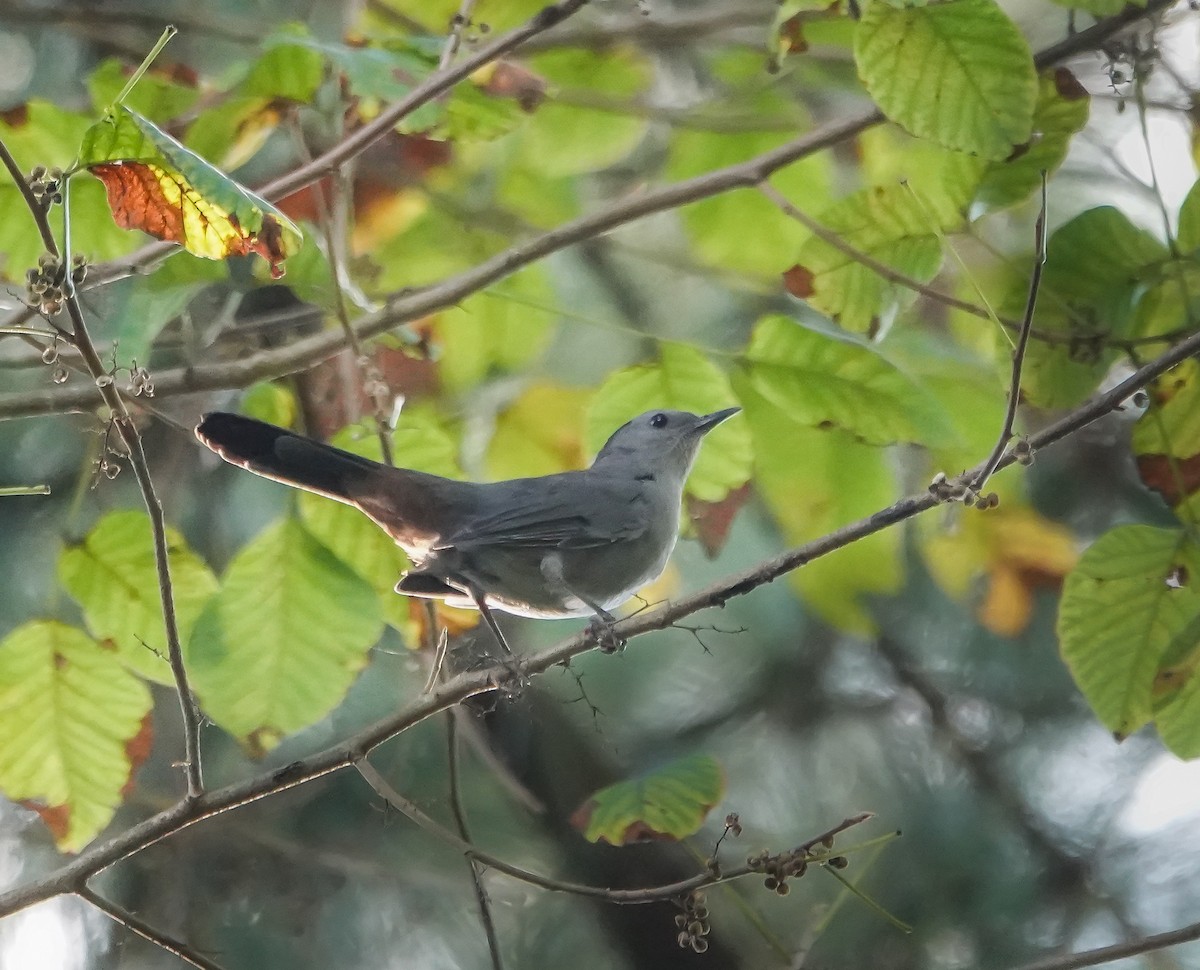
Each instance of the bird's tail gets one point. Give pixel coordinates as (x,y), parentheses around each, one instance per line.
(280,455)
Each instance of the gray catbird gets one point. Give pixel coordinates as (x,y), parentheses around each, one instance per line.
(571,544)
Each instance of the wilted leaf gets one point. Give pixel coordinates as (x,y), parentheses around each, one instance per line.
(711,521)
(70,715)
(670,803)
(157,185)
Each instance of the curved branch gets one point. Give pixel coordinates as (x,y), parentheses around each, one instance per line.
(1118,951)
(147,932)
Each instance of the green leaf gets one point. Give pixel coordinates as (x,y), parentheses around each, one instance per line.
(113,576)
(1092,279)
(959,73)
(419,442)
(944,181)
(684,379)
(137,309)
(68,712)
(1119,613)
(540,433)
(270,402)
(233,131)
(1171,302)
(287,69)
(888,224)
(502,328)
(565,138)
(717,225)
(1172,427)
(669,803)
(836,381)
(816,481)
(1188,237)
(156,184)
(1061,111)
(279,645)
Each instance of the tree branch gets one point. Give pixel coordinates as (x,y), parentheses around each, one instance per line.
(146,931)
(1018,355)
(1118,951)
(627,897)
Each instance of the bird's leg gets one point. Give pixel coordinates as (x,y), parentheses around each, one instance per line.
(601,627)
(509,661)
(602,622)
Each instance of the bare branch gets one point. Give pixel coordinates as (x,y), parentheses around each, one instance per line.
(146,931)
(1018,356)
(460,824)
(1118,951)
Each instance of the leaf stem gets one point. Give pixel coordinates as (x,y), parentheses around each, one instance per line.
(24,490)
(168,32)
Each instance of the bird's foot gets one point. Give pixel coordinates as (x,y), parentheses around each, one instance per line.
(601,630)
(508,676)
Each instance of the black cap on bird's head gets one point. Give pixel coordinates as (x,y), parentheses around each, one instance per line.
(660,441)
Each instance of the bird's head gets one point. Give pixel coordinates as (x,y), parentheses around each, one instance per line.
(659,444)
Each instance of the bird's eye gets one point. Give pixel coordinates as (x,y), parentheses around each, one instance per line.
(658,421)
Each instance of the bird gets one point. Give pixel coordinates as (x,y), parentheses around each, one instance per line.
(571,544)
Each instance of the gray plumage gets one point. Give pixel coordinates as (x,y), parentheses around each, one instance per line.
(571,544)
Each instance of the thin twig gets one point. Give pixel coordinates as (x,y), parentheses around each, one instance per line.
(325,218)
(1118,951)
(464,833)
(458,23)
(886,272)
(146,931)
(628,897)
(24,490)
(104,384)
(1018,356)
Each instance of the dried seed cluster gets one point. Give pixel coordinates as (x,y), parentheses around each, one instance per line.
(46,185)
(693,922)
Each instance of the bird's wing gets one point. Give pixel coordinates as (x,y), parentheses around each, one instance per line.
(568,512)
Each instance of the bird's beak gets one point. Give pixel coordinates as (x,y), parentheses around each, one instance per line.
(710,421)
